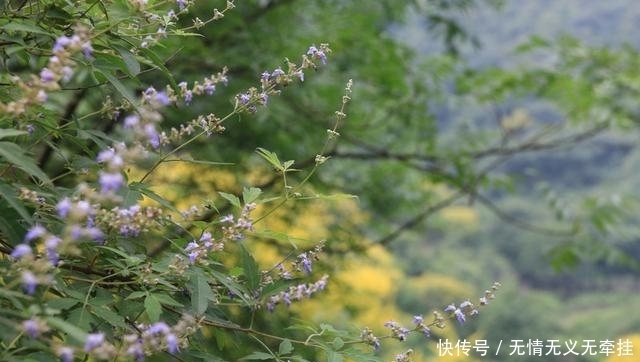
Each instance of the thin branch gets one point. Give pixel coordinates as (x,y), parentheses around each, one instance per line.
(519,223)
(533,145)
(417,219)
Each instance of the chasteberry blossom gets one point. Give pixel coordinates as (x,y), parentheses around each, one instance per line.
(21,250)
(93,341)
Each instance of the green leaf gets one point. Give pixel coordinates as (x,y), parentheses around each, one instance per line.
(250,267)
(285,347)
(136,295)
(20,26)
(121,88)
(15,154)
(235,288)
(8,193)
(270,157)
(200,291)
(74,332)
(333,356)
(258,356)
(158,63)
(153,308)
(233,199)
(167,300)
(250,194)
(10,132)
(338,343)
(563,257)
(129,59)
(110,317)
(62,303)
(146,191)
(274,235)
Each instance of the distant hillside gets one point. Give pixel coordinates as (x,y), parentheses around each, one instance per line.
(597,22)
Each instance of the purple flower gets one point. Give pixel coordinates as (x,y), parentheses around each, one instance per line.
(188,97)
(47,75)
(277,72)
(110,181)
(244,98)
(265,76)
(450,308)
(29,282)
(51,246)
(67,72)
(181,4)
(93,341)
(31,327)
(158,328)
(63,207)
(95,234)
(312,50)
(21,250)
(317,53)
(35,232)
(286,297)
(136,351)
(87,50)
(106,155)
(131,121)
(152,135)
(417,319)
(209,87)
(305,262)
(172,343)
(61,43)
(66,354)
(206,237)
(162,98)
(30,129)
(460,316)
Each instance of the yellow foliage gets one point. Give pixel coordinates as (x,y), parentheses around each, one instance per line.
(462,215)
(186,184)
(439,290)
(634,340)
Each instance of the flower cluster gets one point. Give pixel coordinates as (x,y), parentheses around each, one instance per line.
(235,228)
(59,68)
(272,81)
(367,336)
(208,86)
(198,251)
(399,332)
(34,270)
(304,261)
(404,357)
(159,336)
(132,220)
(296,292)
